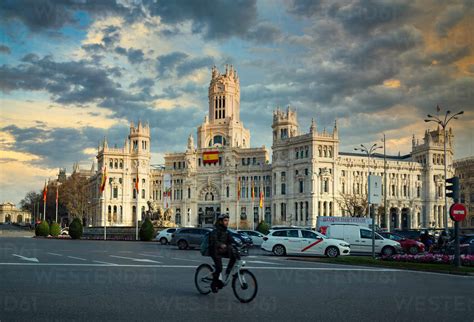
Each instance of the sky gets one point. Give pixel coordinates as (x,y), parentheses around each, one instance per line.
(75,71)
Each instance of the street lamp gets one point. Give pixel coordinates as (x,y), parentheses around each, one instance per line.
(444,123)
(369,152)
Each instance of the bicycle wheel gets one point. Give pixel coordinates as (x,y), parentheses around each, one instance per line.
(246,290)
(203,278)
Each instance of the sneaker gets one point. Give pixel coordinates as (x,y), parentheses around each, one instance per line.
(214,287)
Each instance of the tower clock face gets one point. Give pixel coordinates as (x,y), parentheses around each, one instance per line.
(220,87)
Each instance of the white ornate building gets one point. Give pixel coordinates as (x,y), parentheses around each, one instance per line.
(307,178)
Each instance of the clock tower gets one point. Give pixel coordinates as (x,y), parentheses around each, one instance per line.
(222,126)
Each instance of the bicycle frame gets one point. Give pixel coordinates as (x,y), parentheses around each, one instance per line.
(235,270)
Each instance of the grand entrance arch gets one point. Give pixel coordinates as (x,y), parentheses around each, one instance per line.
(209,207)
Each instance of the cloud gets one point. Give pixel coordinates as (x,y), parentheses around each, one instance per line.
(263,33)
(214,19)
(167,63)
(135,56)
(4,49)
(39,15)
(448,19)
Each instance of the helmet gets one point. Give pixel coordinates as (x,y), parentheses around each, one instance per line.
(222,216)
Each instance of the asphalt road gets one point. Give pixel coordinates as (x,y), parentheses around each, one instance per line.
(69,280)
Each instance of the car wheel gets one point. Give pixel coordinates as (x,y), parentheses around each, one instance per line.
(163,241)
(182,244)
(332,252)
(388,251)
(413,250)
(279,250)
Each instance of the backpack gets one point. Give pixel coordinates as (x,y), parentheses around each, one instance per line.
(205,244)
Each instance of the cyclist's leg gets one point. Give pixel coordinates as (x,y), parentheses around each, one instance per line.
(218,270)
(233,257)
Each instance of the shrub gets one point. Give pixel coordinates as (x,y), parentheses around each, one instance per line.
(55,229)
(42,229)
(263,227)
(75,229)
(147,230)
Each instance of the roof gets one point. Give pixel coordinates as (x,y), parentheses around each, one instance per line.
(406,157)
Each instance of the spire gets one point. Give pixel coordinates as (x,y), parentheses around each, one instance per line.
(93,166)
(312,128)
(335,132)
(413,141)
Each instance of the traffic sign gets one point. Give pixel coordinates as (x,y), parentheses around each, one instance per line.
(457,212)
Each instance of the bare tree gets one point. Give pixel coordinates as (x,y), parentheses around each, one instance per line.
(354,205)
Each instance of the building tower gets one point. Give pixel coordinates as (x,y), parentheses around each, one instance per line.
(222,126)
(285,124)
(430,155)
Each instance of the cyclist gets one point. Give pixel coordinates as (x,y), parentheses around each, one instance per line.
(220,245)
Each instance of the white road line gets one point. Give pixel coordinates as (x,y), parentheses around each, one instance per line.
(81,259)
(189,260)
(54,254)
(99,262)
(30,259)
(148,255)
(263,262)
(146,260)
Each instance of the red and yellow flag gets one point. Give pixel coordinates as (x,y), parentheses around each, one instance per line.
(45,191)
(210,157)
(136,183)
(103,181)
(261,198)
(238,189)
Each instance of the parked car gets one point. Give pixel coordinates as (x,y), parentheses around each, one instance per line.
(466,245)
(186,238)
(303,241)
(408,234)
(409,246)
(243,238)
(164,236)
(257,237)
(360,239)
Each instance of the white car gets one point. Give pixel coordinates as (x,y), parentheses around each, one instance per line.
(303,241)
(257,237)
(360,238)
(164,236)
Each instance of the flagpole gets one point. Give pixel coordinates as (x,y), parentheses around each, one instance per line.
(57,187)
(104,208)
(136,213)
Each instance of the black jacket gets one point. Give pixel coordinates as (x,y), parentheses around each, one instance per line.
(218,237)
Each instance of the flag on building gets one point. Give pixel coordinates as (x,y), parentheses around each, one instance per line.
(136,183)
(261,198)
(210,157)
(238,189)
(103,181)
(45,191)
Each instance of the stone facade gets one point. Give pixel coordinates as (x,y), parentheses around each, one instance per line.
(308,176)
(465,172)
(9,213)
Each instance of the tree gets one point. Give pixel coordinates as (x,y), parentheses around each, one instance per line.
(31,200)
(353,205)
(73,195)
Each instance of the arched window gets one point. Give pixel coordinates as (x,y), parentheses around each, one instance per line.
(111,163)
(116,164)
(178,217)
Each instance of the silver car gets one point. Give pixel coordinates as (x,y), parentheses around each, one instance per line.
(257,237)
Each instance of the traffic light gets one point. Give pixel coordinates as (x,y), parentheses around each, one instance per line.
(452,188)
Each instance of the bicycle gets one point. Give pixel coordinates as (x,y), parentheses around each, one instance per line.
(242,281)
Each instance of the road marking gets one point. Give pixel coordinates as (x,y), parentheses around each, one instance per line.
(148,255)
(54,254)
(185,259)
(263,262)
(145,260)
(100,262)
(81,259)
(30,259)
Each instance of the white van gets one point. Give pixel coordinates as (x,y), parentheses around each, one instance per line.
(360,239)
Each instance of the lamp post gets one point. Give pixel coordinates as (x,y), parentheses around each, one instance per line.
(444,123)
(369,152)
